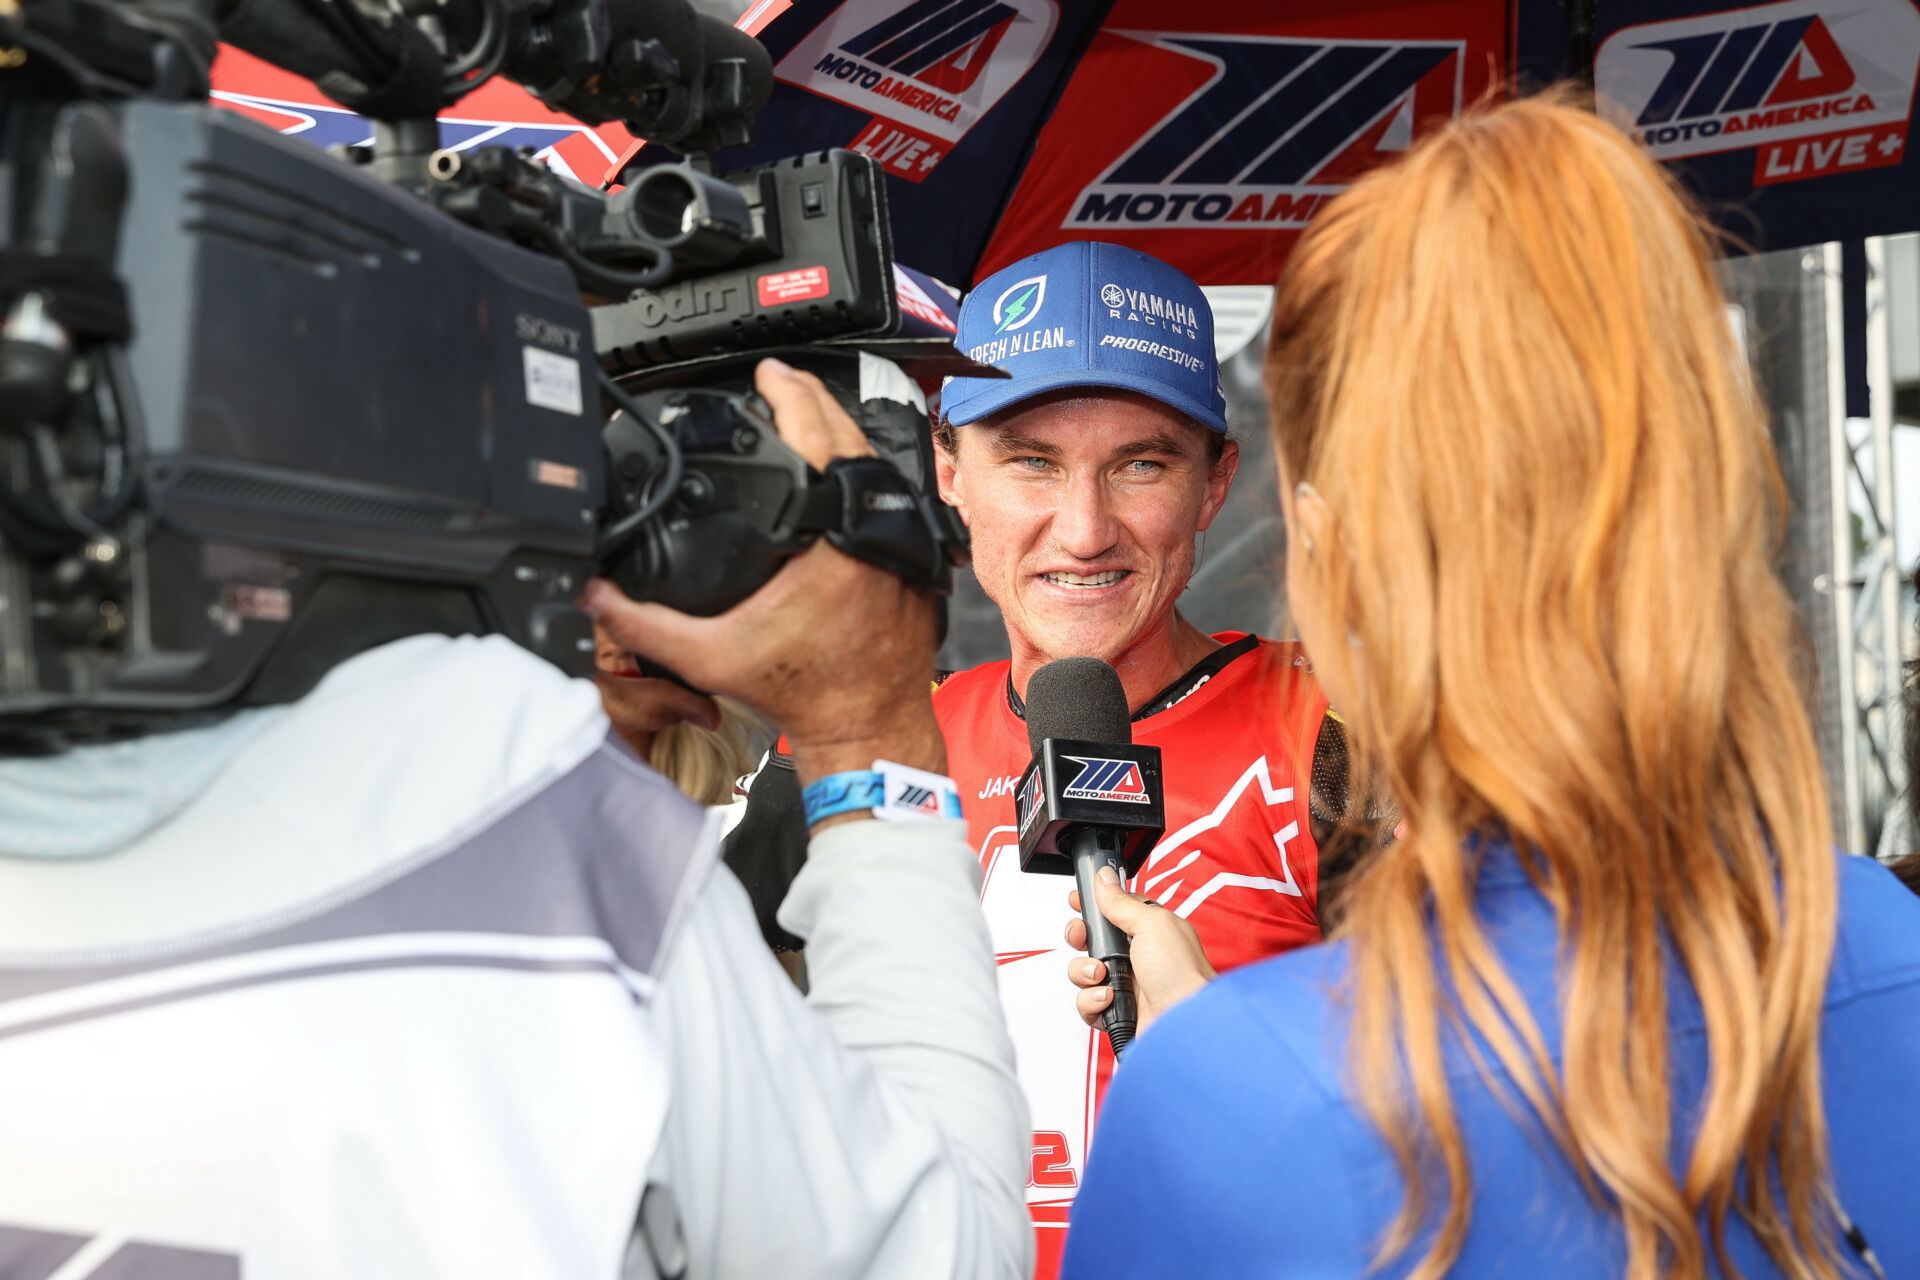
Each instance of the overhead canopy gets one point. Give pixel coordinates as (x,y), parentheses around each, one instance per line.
(1204,133)
(1207,132)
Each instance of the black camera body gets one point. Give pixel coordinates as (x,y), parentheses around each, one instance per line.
(337,387)
(745,503)
(263,408)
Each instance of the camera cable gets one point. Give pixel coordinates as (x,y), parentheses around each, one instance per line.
(623,531)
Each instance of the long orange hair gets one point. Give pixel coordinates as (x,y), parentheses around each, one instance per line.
(1506,367)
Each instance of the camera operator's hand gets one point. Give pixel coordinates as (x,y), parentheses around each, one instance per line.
(1168,964)
(836,652)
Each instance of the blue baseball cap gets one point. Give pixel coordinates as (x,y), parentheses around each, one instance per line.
(1088,314)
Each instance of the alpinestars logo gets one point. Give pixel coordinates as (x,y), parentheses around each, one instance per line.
(928,70)
(1106,780)
(1282,125)
(1817,89)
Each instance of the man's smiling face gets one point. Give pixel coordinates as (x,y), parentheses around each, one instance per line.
(1083,508)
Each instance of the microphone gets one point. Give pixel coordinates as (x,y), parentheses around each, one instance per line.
(1091,798)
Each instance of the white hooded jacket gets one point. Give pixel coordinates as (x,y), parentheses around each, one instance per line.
(434,979)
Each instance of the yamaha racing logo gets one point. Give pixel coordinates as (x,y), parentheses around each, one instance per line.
(1109,780)
(1281,126)
(927,70)
(1151,309)
(1817,88)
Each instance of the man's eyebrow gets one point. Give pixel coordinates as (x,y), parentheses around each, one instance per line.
(1008,445)
(1160,442)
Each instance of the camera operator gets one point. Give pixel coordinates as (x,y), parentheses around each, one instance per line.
(425,975)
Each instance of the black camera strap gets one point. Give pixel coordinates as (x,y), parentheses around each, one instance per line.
(869,509)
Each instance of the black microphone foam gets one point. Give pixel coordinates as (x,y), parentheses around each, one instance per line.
(1081,699)
(1077,698)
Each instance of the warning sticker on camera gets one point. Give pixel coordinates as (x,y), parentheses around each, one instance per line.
(797,285)
(553,381)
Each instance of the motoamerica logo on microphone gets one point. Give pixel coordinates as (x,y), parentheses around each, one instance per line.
(1814,87)
(1108,780)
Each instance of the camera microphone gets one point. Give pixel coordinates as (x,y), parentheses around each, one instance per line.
(1091,798)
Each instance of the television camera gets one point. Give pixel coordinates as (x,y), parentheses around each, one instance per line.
(263,407)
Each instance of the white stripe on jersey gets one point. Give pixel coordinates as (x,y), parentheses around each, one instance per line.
(394,950)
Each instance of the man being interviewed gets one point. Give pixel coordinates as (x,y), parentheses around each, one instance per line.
(1085,480)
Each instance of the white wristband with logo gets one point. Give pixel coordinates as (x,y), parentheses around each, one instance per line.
(914,793)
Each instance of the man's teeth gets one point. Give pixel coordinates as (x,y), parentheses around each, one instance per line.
(1105,579)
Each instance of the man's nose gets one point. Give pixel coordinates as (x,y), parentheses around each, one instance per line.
(1084,524)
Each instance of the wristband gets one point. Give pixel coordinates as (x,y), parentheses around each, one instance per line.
(891,792)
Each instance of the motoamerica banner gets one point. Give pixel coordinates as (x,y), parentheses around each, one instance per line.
(1789,119)
(1208,133)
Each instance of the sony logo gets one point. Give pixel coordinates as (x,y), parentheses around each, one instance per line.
(546,333)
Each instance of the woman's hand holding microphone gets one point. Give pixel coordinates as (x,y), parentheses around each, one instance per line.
(1168,964)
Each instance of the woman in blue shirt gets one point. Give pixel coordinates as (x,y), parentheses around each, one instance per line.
(1613,1007)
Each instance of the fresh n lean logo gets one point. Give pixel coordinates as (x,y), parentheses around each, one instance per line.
(1282,125)
(1815,87)
(927,70)
(1106,780)
(1016,308)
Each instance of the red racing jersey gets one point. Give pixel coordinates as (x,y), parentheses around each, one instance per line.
(1238,861)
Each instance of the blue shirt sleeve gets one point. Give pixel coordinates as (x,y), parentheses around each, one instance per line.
(1220,1152)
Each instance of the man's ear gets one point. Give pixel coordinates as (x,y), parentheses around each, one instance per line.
(946,475)
(1219,483)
